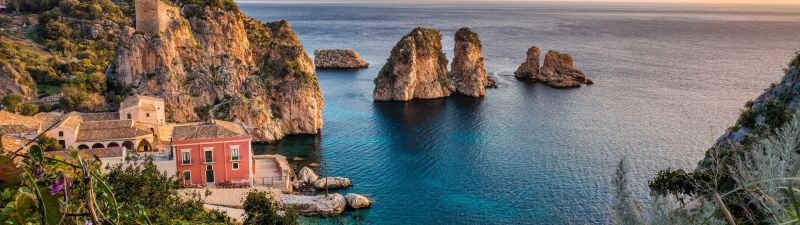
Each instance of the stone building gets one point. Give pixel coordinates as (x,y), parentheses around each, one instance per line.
(150,16)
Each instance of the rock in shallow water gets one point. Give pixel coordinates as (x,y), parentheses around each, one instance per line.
(307,176)
(332,183)
(339,59)
(320,205)
(357,201)
(558,70)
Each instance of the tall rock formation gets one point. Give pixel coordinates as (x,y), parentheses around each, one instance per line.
(213,61)
(416,68)
(530,68)
(558,70)
(468,73)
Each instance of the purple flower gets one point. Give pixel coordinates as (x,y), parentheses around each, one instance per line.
(61,183)
(38,173)
(88,223)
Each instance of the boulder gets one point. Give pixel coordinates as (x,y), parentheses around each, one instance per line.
(357,201)
(339,59)
(530,68)
(307,176)
(320,205)
(415,69)
(468,73)
(332,183)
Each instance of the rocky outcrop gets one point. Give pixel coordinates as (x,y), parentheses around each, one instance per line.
(339,59)
(468,73)
(332,183)
(307,176)
(558,70)
(320,205)
(356,201)
(16,80)
(530,68)
(212,62)
(416,69)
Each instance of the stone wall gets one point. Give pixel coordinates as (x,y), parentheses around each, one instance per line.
(150,16)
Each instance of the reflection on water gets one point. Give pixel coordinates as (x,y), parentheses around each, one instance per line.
(300,150)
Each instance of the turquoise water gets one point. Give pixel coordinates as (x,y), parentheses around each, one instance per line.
(668,81)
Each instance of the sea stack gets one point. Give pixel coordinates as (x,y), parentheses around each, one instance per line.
(558,70)
(530,68)
(416,68)
(468,73)
(339,59)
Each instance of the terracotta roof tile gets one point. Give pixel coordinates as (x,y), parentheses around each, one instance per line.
(110,129)
(206,131)
(100,116)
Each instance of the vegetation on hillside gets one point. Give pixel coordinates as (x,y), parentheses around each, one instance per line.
(753,182)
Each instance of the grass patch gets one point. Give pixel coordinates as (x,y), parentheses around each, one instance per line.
(48,90)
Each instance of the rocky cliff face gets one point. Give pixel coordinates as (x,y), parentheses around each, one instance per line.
(212,62)
(339,59)
(767,112)
(468,73)
(416,68)
(558,70)
(16,80)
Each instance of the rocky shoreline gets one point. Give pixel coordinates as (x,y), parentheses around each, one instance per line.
(339,59)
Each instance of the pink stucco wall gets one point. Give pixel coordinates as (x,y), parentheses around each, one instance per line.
(222,164)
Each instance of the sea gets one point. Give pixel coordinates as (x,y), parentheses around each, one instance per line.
(668,81)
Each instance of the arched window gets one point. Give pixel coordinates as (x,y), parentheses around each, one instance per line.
(83,147)
(98,145)
(113,144)
(128,145)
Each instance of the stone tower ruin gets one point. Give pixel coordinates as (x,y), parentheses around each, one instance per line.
(150,16)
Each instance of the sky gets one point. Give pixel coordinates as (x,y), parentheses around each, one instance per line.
(732,2)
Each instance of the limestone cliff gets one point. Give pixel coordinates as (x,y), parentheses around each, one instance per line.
(215,62)
(558,70)
(416,68)
(468,73)
(339,59)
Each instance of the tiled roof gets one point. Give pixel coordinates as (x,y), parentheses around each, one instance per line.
(110,152)
(71,120)
(110,130)
(206,131)
(11,144)
(134,100)
(100,116)
(8,118)
(16,129)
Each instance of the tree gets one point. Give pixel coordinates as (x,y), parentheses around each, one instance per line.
(28,109)
(11,102)
(260,209)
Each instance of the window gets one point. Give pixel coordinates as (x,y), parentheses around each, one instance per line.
(129,115)
(236,166)
(187,175)
(187,157)
(234,153)
(61,133)
(209,155)
(147,114)
(62,143)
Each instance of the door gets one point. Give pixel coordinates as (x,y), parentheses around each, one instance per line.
(209,174)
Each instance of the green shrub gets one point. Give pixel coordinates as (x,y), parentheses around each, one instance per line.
(28,109)
(259,208)
(11,102)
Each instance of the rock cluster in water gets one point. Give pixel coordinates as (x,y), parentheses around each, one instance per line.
(558,70)
(223,64)
(417,68)
(339,59)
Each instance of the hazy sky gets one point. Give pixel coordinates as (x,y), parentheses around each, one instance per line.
(738,2)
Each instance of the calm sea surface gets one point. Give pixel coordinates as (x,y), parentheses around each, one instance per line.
(668,81)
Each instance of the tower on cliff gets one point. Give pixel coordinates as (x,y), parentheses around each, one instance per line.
(150,18)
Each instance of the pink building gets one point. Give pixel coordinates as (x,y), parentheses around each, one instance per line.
(213,153)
